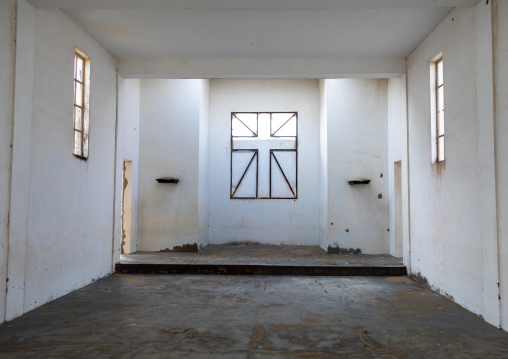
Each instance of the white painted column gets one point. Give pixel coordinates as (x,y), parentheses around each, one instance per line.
(127,150)
(204,161)
(117,223)
(323,161)
(7,58)
(394,155)
(406,190)
(20,190)
(500,21)
(486,154)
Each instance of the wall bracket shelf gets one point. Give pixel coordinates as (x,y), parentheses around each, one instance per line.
(358,181)
(167,180)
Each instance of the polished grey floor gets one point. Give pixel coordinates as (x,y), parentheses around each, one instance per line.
(184,316)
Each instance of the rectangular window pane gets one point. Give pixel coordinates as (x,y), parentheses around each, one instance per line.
(78,123)
(85,144)
(440,73)
(79,68)
(75,60)
(77,143)
(78,97)
(244,125)
(283,125)
(86,123)
(440,123)
(440,99)
(440,147)
(264,125)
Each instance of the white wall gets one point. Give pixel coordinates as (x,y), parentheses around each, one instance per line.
(168,214)
(62,208)
(501,123)
(127,150)
(264,220)
(323,164)
(261,68)
(7,58)
(452,205)
(358,216)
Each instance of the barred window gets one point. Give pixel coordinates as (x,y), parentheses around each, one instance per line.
(264,155)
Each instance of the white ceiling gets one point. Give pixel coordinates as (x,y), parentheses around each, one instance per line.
(246,4)
(257,29)
(204,34)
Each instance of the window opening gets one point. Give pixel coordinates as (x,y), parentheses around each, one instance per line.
(126,218)
(264,155)
(438,110)
(81,104)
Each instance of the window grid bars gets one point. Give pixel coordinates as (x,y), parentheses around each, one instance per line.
(256,154)
(439,104)
(80,151)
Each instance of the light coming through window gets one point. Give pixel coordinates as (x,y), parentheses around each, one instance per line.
(264,155)
(81,104)
(438,112)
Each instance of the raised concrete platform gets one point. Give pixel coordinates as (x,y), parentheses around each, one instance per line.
(254,259)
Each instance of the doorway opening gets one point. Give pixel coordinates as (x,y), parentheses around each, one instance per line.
(126,219)
(397,182)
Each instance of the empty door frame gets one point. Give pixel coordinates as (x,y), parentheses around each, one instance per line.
(397,202)
(126,218)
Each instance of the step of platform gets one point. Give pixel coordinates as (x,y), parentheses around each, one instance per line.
(229,269)
(261,260)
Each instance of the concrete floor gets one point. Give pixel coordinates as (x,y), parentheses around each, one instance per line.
(257,254)
(182,316)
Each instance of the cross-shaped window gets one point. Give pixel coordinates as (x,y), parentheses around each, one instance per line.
(264,155)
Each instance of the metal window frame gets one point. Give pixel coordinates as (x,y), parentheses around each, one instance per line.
(233,115)
(437,87)
(256,155)
(295,191)
(83,152)
(272,134)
